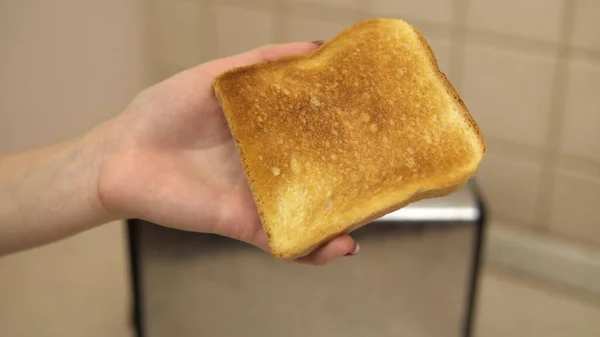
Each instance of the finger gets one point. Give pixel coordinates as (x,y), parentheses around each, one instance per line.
(333,250)
(260,239)
(258,55)
(274,52)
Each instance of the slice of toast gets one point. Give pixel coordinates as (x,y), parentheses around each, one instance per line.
(334,139)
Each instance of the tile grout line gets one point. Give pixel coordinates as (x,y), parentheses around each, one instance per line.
(459,41)
(149,67)
(364,10)
(590,55)
(488,37)
(545,256)
(211,17)
(556,117)
(500,222)
(211,23)
(528,44)
(321,11)
(280,11)
(513,223)
(504,147)
(477,34)
(147,47)
(360,13)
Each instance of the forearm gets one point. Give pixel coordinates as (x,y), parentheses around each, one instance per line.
(48,194)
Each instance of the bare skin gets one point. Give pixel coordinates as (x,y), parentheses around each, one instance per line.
(168,158)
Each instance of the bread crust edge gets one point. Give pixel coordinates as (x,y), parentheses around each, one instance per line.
(420,195)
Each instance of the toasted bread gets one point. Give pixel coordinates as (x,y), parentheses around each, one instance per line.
(334,139)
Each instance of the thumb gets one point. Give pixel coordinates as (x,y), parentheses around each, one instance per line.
(258,55)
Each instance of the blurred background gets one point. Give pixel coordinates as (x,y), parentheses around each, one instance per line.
(528,70)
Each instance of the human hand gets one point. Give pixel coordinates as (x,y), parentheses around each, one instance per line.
(172,161)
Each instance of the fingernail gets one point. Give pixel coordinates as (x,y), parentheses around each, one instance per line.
(355,251)
(318,42)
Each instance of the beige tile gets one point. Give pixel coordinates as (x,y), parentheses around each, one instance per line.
(509,42)
(72,65)
(241,29)
(511,186)
(434,31)
(516,151)
(66,67)
(509,306)
(535,19)
(440,40)
(323,13)
(72,288)
(442,49)
(436,11)
(586,24)
(581,127)
(303,28)
(177,32)
(544,255)
(578,164)
(347,4)
(257,4)
(508,92)
(162,70)
(575,204)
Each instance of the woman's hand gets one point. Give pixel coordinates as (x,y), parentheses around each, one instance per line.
(171,159)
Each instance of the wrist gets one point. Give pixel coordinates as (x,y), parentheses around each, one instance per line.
(51,193)
(94,149)
(115,173)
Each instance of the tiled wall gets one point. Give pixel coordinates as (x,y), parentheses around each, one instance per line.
(66,66)
(529,70)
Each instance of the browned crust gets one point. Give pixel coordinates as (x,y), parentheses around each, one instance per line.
(451,90)
(352,227)
(227,107)
(293,58)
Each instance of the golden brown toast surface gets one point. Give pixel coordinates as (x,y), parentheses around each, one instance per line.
(336,138)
